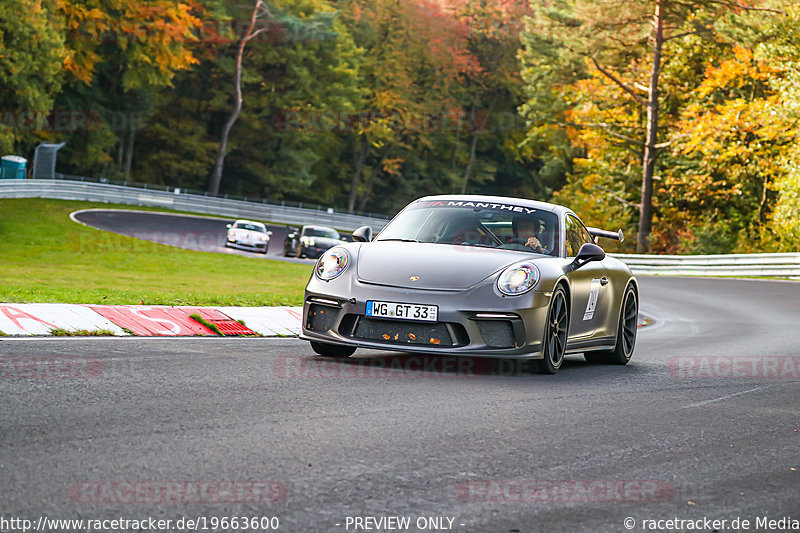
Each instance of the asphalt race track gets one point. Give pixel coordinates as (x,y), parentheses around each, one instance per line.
(190,232)
(672,435)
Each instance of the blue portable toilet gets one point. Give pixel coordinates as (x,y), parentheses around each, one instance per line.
(13,166)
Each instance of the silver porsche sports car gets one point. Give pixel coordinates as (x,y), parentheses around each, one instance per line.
(248,235)
(475,275)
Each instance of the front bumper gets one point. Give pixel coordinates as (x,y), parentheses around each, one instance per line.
(256,247)
(476,321)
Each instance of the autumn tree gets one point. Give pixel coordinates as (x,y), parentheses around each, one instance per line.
(120,54)
(262,14)
(738,141)
(416,55)
(32,54)
(492,93)
(625,44)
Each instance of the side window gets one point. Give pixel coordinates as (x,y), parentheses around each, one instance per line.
(585,235)
(577,235)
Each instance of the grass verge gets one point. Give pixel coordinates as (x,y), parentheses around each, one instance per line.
(210,325)
(215,328)
(58,332)
(48,258)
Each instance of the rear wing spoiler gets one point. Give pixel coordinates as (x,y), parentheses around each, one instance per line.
(615,235)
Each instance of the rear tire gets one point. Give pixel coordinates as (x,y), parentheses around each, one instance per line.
(626,333)
(555,334)
(332,350)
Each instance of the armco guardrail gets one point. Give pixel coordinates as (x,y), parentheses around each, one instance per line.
(751,265)
(195,203)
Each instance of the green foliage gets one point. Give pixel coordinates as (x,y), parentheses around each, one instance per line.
(358,104)
(32,53)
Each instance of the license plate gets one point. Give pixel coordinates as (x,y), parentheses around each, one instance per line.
(422,313)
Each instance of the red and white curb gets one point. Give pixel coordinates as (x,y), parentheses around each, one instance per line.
(148,320)
(154,320)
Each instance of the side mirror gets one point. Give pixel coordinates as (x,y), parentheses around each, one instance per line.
(269,233)
(589,252)
(229,226)
(363,234)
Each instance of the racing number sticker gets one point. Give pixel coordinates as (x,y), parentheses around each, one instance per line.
(594,294)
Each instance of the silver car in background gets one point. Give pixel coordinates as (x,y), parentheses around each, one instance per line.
(248,235)
(475,275)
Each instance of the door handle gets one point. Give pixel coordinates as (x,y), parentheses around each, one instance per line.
(604,281)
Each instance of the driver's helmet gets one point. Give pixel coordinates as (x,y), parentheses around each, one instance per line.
(520,220)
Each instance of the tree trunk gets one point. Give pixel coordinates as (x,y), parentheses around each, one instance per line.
(360,157)
(471,161)
(129,148)
(650,155)
(120,155)
(474,145)
(216,175)
(367,196)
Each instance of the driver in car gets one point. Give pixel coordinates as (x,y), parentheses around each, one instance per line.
(525,233)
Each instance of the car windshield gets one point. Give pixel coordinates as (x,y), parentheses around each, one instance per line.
(251,227)
(489,225)
(321,232)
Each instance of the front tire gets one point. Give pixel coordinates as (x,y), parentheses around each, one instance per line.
(555,334)
(332,350)
(626,333)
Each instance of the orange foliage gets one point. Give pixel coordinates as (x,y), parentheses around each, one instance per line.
(149,33)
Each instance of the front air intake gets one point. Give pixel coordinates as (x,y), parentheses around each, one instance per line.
(496,333)
(321,317)
(402,332)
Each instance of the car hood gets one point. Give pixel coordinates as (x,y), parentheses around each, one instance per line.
(437,266)
(324,242)
(242,233)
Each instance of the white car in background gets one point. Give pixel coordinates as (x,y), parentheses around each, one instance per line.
(248,235)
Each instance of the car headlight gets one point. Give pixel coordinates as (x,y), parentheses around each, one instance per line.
(307,242)
(264,238)
(517,279)
(332,263)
